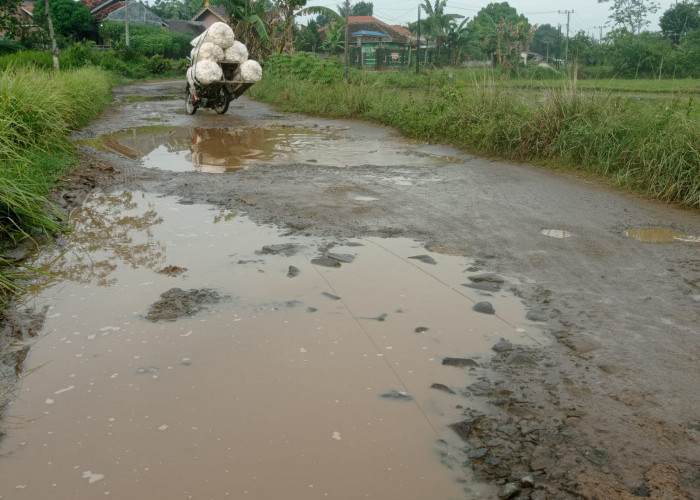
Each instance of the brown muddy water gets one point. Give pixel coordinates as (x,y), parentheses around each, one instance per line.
(222,150)
(302,381)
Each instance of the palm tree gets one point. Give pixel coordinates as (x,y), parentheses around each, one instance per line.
(438,23)
(248,24)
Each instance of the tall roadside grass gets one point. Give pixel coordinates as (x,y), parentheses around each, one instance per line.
(38,110)
(651,147)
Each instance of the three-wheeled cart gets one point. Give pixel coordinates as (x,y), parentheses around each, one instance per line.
(217,95)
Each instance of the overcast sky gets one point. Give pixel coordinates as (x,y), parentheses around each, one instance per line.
(587,15)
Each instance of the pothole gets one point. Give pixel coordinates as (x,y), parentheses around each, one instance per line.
(223,150)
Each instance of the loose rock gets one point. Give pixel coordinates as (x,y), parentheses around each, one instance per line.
(484,307)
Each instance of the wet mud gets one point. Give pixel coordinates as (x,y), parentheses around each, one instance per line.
(579,380)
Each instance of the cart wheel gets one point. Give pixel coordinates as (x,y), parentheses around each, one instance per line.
(190,106)
(222,102)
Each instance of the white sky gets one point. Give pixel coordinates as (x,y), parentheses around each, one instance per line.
(588,15)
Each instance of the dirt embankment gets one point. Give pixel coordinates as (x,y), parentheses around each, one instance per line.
(609,409)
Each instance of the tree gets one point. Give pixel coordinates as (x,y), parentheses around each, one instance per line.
(634,55)
(545,41)
(438,22)
(70,18)
(249,26)
(680,19)
(290,10)
(362,9)
(309,39)
(175,9)
(631,14)
(9,24)
(335,37)
(487,19)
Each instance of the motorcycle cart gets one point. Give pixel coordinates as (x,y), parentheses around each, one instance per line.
(217,95)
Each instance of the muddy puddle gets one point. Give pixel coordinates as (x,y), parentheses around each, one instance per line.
(221,150)
(660,235)
(291,367)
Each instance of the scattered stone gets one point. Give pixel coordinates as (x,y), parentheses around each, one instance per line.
(172,271)
(380,317)
(527,481)
(508,490)
(325,262)
(421,329)
(536,314)
(542,459)
(538,495)
(508,429)
(520,358)
(330,296)
(463,428)
(293,272)
(484,307)
(484,287)
(176,303)
(460,362)
(426,259)
(287,249)
(345,258)
(478,453)
(442,387)
(397,395)
(641,491)
(486,278)
(502,346)
(311,309)
(480,388)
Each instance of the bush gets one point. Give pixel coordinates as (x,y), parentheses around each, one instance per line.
(9,47)
(157,65)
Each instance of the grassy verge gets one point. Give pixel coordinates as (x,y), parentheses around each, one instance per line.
(39,110)
(651,147)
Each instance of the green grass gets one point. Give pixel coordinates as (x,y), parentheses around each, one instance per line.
(38,109)
(648,145)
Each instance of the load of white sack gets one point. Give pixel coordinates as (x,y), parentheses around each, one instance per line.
(218,45)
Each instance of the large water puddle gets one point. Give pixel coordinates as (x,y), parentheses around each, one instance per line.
(221,150)
(304,373)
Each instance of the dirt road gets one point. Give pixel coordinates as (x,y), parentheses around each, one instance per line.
(602,402)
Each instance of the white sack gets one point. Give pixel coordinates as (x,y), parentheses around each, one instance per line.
(190,76)
(208,50)
(250,71)
(220,34)
(195,41)
(207,71)
(236,53)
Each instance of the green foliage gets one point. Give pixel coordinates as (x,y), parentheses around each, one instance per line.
(631,14)
(9,47)
(650,147)
(9,23)
(679,20)
(40,109)
(145,41)
(70,18)
(157,65)
(485,23)
(304,66)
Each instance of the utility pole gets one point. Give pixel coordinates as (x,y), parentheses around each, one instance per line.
(418,43)
(126,21)
(568,14)
(347,31)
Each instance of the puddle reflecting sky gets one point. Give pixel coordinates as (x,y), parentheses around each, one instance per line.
(272,393)
(224,150)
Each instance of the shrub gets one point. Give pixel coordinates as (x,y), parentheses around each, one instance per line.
(157,65)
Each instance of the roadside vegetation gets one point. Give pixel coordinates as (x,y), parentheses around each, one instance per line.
(651,145)
(40,110)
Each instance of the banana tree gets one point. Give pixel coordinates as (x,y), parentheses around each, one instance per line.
(438,22)
(248,19)
(289,11)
